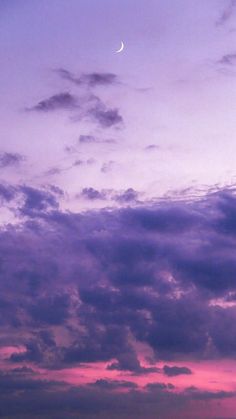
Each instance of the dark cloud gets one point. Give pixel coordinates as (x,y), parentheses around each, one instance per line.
(113,384)
(64,100)
(36,200)
(10,159)
(227,13)
(160,386)
(52,310)
(7,192)
(87,287)
(24,397)
(129,362)
(90,79)
(175,371)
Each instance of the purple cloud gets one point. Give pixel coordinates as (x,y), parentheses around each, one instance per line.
(92,194)
(90,79)
(91,107)
(49,398)
(87,139)
(228,59)
(104,116)
(175,371)
(130,195)
(58,101)
(7,192)
(10,159)
(227,13)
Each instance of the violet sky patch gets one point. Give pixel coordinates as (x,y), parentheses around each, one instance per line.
(117,209)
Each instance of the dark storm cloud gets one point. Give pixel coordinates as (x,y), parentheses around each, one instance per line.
(90,79)
(10,159)
(175,371)
(108,278)
(227,13)
(51,310)
(64,100)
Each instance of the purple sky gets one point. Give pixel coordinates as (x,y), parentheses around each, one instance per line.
(118,209)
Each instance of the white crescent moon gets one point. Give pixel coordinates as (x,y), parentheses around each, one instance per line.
(121,48)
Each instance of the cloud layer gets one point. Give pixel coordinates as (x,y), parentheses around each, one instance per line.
(86,288)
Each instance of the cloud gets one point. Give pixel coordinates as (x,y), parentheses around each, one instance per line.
(105,398)
(88,107)
(90,139)
(109,278)
(152,147)
(108,166)
(7,192)
(36,200)
(227,13)
(130,195)
(89,79)
(92,194)
(113,384)
(106,117)
(10,159)
(159,386)
(59,101)
(228,59)
(87,139)
(175,371)
(129,362)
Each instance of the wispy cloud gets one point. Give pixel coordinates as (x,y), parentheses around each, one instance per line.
(87,139)
(130,195)
(227,13)
(89,79)
(10,159)
(228,59)
(104,116)
(87,107)
(64,100)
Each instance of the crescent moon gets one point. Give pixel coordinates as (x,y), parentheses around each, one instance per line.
(121,48)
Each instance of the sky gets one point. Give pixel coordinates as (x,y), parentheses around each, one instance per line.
(117,209)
